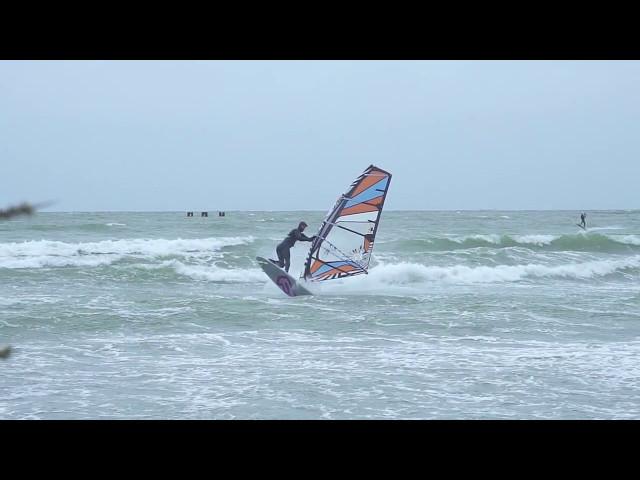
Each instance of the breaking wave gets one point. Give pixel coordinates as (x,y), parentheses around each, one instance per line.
(579,242)
(213,273)
(47,253)
(412,274)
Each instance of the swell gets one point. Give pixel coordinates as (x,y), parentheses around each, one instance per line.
(174,269)
(590,242)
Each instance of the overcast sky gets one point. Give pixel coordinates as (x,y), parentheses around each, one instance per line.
(292,135)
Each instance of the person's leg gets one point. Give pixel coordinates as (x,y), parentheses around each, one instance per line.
(287,260)
(280,256)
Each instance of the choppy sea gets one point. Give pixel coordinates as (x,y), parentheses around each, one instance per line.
(463,315)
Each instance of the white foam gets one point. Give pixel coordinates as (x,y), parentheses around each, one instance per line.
(47,253)
(538,240)
(498,239)
(613,227)
(412,273)
(490,238)
(216,274)
(627,239)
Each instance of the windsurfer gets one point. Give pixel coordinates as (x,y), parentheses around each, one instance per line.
(284,247)
(583,220)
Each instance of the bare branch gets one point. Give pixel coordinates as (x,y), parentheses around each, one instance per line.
(24,208)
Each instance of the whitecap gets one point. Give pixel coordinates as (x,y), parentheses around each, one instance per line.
(216,274)
(538,240)
(490,238)
(628,239)
(48,253)
(405,273)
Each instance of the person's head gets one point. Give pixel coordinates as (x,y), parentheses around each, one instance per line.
(302,226)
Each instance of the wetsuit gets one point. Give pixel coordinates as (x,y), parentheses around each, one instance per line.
(284,256)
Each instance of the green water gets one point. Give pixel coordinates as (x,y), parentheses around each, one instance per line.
(471,314)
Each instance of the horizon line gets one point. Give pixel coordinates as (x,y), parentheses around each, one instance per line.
(386,210)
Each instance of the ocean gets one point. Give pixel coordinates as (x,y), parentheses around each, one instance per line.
(463,315)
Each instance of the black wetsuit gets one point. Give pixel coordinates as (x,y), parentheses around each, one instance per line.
(284,256)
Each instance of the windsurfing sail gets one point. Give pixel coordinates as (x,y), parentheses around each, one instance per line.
(344,243)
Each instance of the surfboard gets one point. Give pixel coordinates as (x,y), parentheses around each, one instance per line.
(584,228)
(282,279)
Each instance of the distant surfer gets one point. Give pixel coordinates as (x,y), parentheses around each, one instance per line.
(284,247)
(583,220)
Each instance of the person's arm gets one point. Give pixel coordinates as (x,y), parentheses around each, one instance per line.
(302,237)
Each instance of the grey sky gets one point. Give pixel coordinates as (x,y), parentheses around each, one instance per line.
(289,135)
